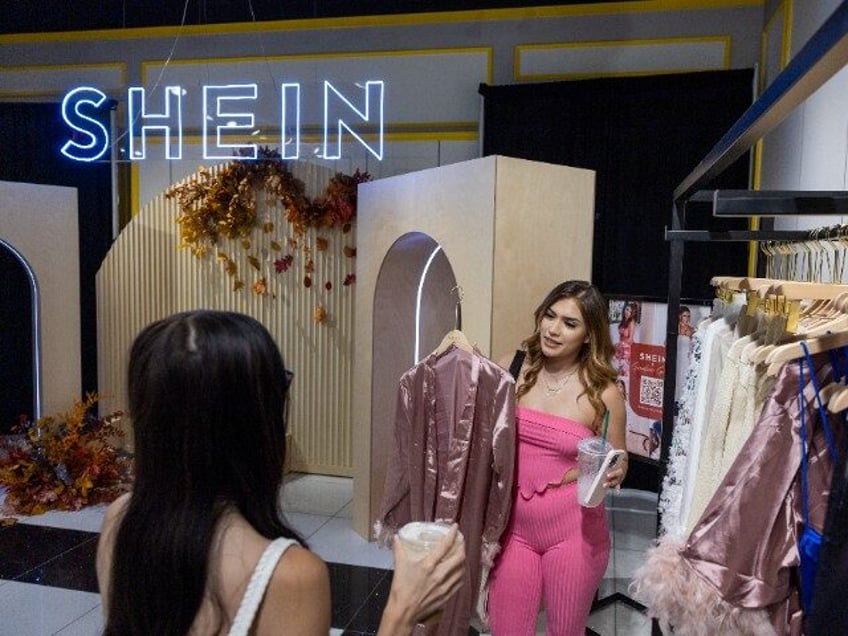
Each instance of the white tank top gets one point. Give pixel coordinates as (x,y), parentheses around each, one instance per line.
(257,585)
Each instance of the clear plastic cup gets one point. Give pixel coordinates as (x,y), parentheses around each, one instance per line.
(420,537)
(591,453)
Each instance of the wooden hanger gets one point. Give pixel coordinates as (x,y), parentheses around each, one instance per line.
(727,282)
(454,338)
(750,284)
(740,283)
(816,344)
(838,401)
(809,291)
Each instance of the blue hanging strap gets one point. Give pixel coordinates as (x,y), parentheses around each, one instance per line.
(802,408)
(810,541)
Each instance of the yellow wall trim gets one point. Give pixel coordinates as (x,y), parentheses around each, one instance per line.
(486,15)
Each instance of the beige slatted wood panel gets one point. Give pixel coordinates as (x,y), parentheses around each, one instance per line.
(146,277)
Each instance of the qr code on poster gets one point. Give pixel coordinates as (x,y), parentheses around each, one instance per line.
(651,391)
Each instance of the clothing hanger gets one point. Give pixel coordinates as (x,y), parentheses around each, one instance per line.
(788,332)
(455,337)
(740,283)
(749,283)
(809,290)
(816,344)
(727,282)
(838,402)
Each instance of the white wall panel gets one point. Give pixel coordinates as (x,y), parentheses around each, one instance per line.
(55,81)
(604,58)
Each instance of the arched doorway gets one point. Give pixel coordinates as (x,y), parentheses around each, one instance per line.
(415,303)
(20,374)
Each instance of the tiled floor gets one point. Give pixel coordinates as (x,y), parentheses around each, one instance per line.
(48,586)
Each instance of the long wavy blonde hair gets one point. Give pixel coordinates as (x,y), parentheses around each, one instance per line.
(596,370)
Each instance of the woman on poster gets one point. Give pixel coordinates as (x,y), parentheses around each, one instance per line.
(626,331)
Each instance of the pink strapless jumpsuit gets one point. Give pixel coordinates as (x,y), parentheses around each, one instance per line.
(553,547)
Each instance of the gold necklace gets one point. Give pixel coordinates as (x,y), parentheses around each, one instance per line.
(559,385)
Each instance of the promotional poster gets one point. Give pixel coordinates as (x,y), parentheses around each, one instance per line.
(638,333)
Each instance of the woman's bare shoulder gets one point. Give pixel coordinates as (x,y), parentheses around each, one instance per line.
(106,542)
(611,395)
(298,596)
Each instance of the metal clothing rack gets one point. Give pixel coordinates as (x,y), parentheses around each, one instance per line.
(824,54)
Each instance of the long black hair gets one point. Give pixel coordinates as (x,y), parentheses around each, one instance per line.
(207,398)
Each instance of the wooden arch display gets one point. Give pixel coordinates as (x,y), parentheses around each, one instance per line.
(510,230)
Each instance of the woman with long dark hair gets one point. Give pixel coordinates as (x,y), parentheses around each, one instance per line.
(200,546)
(565,391)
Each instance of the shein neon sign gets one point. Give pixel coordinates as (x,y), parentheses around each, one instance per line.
(222,116)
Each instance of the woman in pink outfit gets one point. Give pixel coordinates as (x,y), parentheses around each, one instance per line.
(555,550)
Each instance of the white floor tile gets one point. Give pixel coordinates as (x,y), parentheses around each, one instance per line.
(620,620)
(603,622)
(626,562)
(88,519)
(316,494)
(305,524)
(37,610)
(337,542)
(634,530)
(89,624)
(346,512)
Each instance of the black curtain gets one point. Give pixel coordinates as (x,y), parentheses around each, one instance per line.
(642,136)
(31,135)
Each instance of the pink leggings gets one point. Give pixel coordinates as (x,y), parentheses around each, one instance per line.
(554,548)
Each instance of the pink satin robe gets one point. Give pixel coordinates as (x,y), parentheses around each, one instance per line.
(737,572)
(453,459)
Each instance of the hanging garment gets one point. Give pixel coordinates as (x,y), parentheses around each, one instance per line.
(737,572)
(453,459)
(829,614)
(671,493)
(715,347)
(739,401)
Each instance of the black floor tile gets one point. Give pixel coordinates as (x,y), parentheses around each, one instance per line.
(24,547)
(366,620)
(352,587)
(72,570)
